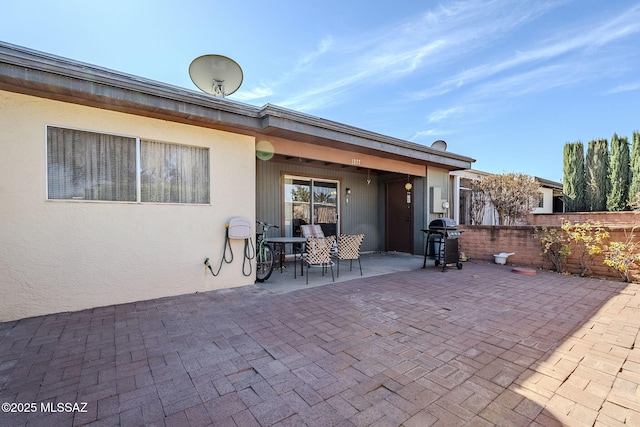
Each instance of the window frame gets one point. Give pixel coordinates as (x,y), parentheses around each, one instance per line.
(289,231)
(138,168)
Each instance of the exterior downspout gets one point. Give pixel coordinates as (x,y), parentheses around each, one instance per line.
(456,199)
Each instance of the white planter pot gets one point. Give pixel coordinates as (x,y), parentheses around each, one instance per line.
(501,258)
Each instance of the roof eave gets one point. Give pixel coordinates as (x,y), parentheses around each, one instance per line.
(34,73)
(292,121)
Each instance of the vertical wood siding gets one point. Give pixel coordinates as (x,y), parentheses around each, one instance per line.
(365,211)
(360,215)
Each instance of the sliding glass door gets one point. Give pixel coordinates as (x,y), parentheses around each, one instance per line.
(310,201)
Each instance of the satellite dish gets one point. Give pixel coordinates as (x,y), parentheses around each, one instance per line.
(216,74)
(439,145)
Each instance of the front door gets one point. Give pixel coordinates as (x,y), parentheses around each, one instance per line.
(399,217)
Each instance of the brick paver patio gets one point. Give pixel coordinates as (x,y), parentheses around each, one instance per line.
(478,346)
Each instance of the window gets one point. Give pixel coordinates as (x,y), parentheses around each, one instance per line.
(84,165)
(174,173)
(90,166)
(310,201)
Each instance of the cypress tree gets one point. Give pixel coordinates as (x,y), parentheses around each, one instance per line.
(596,179)
(634,171)
(618,174)
(573,185)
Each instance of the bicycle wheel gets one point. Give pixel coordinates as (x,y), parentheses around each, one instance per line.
(264,267)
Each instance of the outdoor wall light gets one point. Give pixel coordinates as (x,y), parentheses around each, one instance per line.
(408,187)
(347,194)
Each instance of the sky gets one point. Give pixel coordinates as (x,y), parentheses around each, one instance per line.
(505,82)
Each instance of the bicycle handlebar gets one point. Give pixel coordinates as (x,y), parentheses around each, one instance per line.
(266,224)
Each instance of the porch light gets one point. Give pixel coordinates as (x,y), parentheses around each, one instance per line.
(347,193)
(408,187)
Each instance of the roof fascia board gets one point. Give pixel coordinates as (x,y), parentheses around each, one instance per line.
(36,73)
(288,120)
(548,183)
(52,77)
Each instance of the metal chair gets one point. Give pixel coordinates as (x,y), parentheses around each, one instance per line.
(349,249)
(315,230)
(318,253)
(311,230)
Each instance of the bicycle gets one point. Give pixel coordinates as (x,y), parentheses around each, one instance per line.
(265,255)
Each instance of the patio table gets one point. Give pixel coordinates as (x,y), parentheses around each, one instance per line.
(282,242)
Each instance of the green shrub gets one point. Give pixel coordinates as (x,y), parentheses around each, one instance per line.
(586,239)
(555,247)
(621,256)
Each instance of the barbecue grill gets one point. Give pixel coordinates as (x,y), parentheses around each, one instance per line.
(442,243)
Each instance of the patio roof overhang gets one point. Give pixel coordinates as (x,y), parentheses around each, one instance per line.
(292,133)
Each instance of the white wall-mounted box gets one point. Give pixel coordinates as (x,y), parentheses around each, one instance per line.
(435,200)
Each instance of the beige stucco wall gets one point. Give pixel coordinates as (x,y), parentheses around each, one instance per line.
(547,201)
(58,256)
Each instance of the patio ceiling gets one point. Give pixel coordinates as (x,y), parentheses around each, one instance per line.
(343,157)
(325,164)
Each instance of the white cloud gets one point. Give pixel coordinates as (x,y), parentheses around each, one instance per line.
(625,88)
(425,42)
(536,80)
(250,95)
(445,38)
(269,90)
(309,58)
(560,47)
(444,114)
(426,135)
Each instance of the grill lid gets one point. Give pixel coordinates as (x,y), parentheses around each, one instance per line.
(443,224)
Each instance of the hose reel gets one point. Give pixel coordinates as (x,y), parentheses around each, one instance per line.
(238,228)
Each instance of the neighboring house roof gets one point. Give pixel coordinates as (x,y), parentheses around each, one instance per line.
(39,74)
(555,186)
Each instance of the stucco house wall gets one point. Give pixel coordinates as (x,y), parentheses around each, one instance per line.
(547,202)
(60,256)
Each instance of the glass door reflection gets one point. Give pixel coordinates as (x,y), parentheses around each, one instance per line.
(310,201)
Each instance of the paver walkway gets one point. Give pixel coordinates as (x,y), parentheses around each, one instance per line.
(478,346)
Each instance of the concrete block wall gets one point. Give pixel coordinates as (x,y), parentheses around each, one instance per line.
(482,241)
(608,218)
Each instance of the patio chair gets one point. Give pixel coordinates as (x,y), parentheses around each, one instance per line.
(315,230)
(319,254)
(311,230)
(349,249)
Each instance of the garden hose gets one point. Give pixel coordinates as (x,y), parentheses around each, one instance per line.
(249,254)
(227,245)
